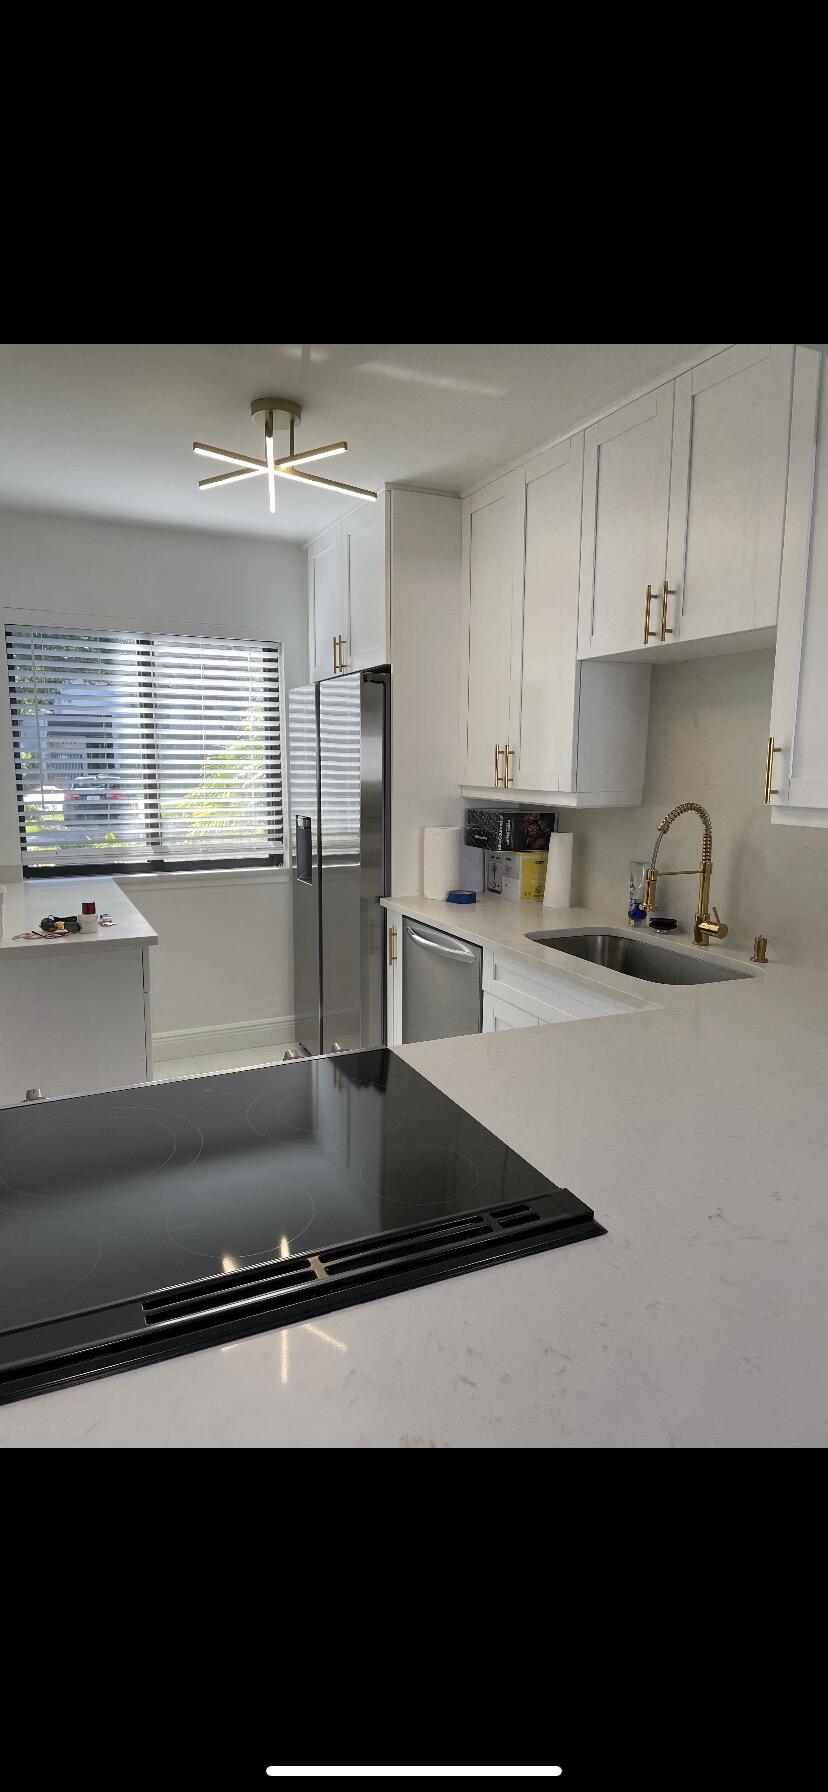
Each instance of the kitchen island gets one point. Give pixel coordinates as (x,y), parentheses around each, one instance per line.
(75,1011)
(696,1127)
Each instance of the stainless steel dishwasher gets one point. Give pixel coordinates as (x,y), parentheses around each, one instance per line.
(442,984)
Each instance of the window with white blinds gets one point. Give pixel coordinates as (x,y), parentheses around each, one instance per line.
(153,749)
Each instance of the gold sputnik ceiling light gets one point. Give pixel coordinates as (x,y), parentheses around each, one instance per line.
(278,413)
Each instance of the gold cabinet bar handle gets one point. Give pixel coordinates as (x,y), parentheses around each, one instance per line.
(336,668)
(392,945)
(648,631)
(497,766)
(770,790)
(507,751)
(665,593)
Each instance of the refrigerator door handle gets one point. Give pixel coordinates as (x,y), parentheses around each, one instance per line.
(450,951)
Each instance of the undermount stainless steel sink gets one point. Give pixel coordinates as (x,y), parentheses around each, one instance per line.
(639,958)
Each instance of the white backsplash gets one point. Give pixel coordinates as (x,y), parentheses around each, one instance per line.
(708,734)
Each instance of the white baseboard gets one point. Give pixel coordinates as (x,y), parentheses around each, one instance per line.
(237,1036)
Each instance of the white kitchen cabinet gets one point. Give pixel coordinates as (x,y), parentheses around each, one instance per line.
(731,424)
(393,985)
(74,1013)
(365,585)
(567,731)
(490,632)
(325,601)
(386,581)
(348,588)
(74,1022)
(583,727)
(683,513)
(549,685)
(796,774)
(625,519)
(546,994)
(500,1016)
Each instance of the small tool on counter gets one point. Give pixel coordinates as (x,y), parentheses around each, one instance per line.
(60,924)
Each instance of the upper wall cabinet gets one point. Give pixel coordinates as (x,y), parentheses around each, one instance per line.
(384,583)
(731,426)
(625,517)
(347,592)
(684,500)
(796,771)
(533,722)
(492,597)
(325,601)
(365,623)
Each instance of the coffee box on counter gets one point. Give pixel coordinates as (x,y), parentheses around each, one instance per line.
(518,830)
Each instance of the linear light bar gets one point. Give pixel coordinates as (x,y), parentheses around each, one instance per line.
(239,460)
(271,483)
(226,478)
(304,454)
(328,485)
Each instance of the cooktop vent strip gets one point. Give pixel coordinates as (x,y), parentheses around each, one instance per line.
(270,1287)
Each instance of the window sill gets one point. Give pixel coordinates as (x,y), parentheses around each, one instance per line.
(184,880)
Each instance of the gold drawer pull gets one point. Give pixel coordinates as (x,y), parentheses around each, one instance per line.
(392,945)
(770,790)
(507,753)
(665,593)
(648,631)
(498,779)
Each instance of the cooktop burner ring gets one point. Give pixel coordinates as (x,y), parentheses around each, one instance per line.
(77,1248)
(417,1162)
(117,1149)
(269,1227)
(358,1121)
(286,1127)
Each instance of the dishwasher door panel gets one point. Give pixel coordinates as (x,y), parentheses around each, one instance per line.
(442,984)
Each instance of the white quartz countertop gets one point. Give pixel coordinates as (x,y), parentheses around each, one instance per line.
(26,903)
(695,1126)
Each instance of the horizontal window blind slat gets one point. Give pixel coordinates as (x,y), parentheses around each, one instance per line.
(145,746)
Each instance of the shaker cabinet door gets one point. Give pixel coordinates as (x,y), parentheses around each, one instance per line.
(727,495)
(624,528)
(549,679)
(796,771)
(492,600)
(324,601)
(364,570)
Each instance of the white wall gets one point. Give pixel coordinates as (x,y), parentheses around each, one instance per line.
(224,952)
(707,742)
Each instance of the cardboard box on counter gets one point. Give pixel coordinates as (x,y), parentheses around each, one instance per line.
(521,876)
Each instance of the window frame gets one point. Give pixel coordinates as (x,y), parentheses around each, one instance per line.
(276,761)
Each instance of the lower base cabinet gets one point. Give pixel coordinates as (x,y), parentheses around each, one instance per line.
(500,1016)
(75,1021)
(517,992)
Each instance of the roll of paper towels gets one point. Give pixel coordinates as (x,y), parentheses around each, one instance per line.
(558,890)
(441,861)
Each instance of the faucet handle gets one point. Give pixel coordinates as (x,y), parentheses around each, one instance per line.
(711,929)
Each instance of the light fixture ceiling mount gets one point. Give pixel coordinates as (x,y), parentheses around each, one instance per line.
(278,414)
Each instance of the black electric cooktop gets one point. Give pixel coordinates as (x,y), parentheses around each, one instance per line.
(149,1221)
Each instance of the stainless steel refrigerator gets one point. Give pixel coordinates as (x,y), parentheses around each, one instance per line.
(338,743)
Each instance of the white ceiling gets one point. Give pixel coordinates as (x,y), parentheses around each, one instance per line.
(107,429)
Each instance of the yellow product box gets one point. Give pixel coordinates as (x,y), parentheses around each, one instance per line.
(519,875)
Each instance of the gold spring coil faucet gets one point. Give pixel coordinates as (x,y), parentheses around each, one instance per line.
(704,928)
